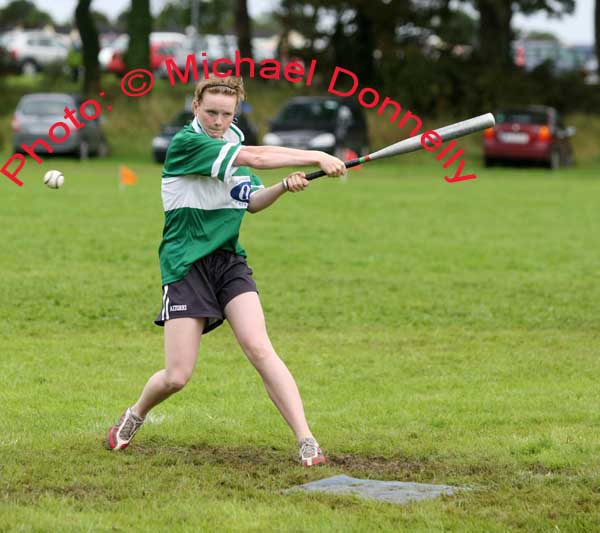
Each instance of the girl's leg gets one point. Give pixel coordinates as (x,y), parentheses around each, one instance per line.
(245,315)
(182,340)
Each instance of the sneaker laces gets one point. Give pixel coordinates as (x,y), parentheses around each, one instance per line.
(309,447)
(131,425)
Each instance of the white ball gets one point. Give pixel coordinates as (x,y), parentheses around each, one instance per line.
(54,179)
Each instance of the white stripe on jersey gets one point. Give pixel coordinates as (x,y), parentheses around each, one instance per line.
(197,126)
(214,172)
(201,192)
(233,136)
(230,168)
(237,131)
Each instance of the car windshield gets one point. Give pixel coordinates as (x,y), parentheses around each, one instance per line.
(40,107)
(324,111)
(521,117)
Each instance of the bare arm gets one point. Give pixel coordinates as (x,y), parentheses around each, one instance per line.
(278,156)
(265,197)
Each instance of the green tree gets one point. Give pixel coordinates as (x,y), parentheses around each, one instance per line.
(243,28)
(454,26)
(174,16)
(362,37)
(23,13)
(90,46)
(597,31)
(102,22)
(215,16)
(495,31)
(543,36)
(122,21)
(139,28)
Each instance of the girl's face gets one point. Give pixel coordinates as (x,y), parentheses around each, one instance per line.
(215,113)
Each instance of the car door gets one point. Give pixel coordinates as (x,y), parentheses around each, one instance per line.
(58,50)
(43,50)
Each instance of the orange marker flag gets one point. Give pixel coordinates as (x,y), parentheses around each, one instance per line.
(127,176)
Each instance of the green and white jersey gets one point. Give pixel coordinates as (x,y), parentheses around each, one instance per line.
(204,198)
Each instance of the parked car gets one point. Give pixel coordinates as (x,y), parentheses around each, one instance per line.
(325,123)
(533,133)
(37,112)
(215,47)
(31,51)
(163,45)
(160,143)
(109,45)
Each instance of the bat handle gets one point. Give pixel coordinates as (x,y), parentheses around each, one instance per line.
(318,173)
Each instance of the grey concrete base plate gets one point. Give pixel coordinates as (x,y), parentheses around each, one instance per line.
(387,491)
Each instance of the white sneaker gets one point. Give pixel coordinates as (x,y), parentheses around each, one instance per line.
(310,452)
(120,435)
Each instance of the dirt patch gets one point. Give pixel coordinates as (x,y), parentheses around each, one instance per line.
(398,468)
(282,464)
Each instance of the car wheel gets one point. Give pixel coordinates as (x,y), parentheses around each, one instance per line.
(554,162)
(29,68)
(489,162)
(83,152)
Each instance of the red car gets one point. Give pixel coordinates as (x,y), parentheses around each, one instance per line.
(158,53)
(535,134)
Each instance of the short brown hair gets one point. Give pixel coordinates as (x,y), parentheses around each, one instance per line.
(230,85)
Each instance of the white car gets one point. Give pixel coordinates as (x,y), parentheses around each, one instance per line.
(31,51)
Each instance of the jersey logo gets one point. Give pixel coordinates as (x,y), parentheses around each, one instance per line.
(241,192)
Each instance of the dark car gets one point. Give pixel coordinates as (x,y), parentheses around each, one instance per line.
(37,112)
(161,142)
(330,124)
(533,134)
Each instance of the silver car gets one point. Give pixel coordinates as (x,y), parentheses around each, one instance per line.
(37,113)
(32,51)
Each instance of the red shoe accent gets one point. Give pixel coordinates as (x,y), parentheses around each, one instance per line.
(111,442)
(320,460)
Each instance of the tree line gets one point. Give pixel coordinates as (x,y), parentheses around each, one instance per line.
(436,54)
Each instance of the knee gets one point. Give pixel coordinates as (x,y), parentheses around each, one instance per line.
(177,380)
(258,352)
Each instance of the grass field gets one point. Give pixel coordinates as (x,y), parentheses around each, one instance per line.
(439,333)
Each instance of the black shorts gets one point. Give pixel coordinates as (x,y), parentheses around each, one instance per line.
(207,288)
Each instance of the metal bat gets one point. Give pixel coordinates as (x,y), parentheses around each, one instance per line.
(447,133)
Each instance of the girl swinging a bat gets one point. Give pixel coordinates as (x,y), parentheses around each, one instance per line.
(207,187)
